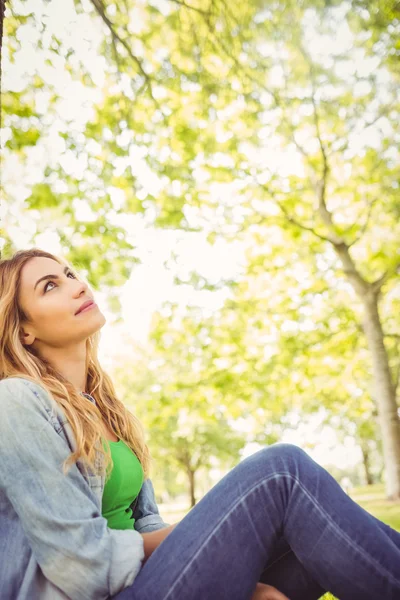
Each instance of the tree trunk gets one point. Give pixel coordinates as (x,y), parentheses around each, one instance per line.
(368,476)
(385,394)
(192,487)
(2,16)
(385,391)
(2,11)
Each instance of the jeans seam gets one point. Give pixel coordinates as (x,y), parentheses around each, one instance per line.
(258,484)
(335,528)
(276,560)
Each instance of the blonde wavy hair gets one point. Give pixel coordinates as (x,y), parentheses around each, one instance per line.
(85,418)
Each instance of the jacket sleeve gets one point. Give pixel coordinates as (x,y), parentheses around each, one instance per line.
(69,538)
(146,515)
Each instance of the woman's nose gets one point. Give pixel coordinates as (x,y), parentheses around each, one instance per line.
(81,287)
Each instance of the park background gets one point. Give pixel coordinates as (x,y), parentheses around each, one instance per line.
(226,175)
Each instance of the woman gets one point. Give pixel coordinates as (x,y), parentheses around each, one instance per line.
(78,518)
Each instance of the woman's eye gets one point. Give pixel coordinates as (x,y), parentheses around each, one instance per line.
(45,289)
(46,286)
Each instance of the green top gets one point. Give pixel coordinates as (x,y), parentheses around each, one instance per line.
(123,486)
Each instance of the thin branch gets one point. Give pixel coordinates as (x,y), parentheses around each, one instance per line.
(366,223)
(292,130)
(316,119)
(291,219)
(194,8)
(360,285)
(226,7)
(325,215)
(100,9)
(115,52)
(217,43)
(2,17)
(378,283)
(395,370)
(345,139)
(341,247)
(396,381)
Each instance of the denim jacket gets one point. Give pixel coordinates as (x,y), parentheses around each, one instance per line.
(55,543)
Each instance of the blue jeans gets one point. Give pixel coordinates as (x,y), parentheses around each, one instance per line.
(280,518)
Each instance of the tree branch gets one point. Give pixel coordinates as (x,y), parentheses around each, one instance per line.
(366,223)
(219,45)
(378,283)
(292,131)
(291,219)
(100,9)
(321,185)
(344,140)
(2,17)
(360,285)
(396,381)
(202,12)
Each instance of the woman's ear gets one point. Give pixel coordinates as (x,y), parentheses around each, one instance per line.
(27,338)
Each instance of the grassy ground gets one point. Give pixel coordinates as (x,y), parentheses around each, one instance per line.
(372,498)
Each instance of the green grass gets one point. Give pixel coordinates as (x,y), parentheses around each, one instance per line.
(372,498)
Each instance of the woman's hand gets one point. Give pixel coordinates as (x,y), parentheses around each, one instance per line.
(267,592)
(152,539)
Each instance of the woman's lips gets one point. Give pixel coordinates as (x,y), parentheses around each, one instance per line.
(93,305)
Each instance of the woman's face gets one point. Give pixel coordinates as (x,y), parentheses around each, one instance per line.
(52,304)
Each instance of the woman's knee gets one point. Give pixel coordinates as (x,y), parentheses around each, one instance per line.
(279,458)
(285,454)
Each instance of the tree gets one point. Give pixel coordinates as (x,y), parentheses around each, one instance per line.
(218,100)
(186,419)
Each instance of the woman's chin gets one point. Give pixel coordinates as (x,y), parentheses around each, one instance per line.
(95,325)
(102,322)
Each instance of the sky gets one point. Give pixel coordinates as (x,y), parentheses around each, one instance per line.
(151,282)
